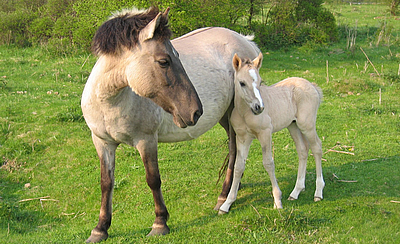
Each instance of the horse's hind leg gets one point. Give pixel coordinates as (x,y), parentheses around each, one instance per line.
(226,186)
(148,152)
(302,152)
(106,153)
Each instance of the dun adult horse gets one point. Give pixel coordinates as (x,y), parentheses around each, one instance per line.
(139,94)
(260,111)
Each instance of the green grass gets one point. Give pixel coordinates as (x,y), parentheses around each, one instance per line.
(45,142)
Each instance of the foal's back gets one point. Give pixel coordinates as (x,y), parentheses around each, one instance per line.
(289,100)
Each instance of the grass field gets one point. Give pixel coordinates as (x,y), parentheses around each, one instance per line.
(49,178)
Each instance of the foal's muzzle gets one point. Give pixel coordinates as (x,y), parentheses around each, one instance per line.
(257,109)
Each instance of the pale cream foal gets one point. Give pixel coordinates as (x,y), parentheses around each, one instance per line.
(262,110)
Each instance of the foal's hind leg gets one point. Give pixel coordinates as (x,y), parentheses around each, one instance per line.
(106,153)
(302,152)
(316,148)
(309,132)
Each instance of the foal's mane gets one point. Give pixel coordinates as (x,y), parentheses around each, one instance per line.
(247,62)
(122,30)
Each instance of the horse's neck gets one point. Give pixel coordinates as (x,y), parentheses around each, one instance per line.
(109,78)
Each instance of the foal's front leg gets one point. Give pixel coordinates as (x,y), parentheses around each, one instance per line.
(226,186)
(106,153)
(243,147)
(265,138)
(148,152)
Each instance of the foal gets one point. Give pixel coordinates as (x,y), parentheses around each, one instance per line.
(262,110)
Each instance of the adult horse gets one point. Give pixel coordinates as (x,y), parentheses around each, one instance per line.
(138,94)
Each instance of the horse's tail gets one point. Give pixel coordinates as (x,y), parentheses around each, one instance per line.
(250,39)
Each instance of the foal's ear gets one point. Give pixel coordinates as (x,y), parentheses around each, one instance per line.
(258,61)
(148,32)
(236,62)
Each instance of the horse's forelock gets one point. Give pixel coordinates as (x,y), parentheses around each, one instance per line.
(122,30)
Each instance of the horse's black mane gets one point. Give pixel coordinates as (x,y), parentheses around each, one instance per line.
(123,30)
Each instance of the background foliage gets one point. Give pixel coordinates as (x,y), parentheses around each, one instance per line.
(65,24)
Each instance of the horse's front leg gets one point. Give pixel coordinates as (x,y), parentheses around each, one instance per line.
(243,147)
(106,153)
(265,138)
(148,152)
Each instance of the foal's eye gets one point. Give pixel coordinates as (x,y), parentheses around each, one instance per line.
(164,63)
(242,84)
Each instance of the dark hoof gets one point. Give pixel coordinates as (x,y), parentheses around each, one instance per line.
(159,231)
(221,212)
(97,236)
(216,208)
(317,199)
(291,198)
(219,204)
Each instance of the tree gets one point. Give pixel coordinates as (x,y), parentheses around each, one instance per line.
(393,5)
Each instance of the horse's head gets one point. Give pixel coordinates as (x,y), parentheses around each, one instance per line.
(248,81)
(151,65)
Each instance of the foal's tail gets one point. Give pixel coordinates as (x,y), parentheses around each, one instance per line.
(319,91)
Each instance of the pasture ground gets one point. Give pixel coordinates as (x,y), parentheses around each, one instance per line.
(49,176)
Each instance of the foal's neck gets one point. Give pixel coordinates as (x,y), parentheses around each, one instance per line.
(239,103)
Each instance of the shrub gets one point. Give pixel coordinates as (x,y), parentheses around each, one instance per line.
(13,27)
(291,22)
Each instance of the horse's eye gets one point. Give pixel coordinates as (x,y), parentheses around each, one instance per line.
(242,84)
(164,63)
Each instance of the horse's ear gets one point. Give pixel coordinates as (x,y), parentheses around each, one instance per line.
(166,12)
(236,62)
(258,61)
(148,32)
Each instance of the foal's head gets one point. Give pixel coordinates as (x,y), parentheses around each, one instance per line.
(248,81)
(138,42)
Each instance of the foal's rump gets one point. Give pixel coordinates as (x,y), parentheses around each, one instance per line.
(302,89)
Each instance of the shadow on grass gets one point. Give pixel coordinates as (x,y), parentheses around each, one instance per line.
(15,216)
(373,178)
(367,178)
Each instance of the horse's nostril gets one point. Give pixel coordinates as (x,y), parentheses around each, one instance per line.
(196,116)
